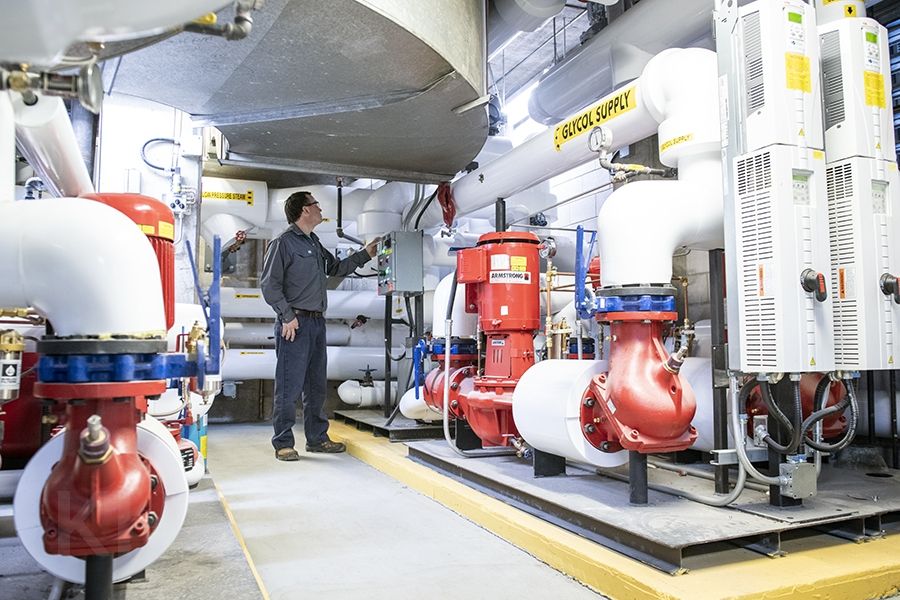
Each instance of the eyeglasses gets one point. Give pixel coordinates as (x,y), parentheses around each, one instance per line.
(314,203)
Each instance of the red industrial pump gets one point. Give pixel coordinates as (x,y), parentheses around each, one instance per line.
(502,280)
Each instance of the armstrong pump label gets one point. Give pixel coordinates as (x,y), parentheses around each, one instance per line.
(605,110)
(510,277)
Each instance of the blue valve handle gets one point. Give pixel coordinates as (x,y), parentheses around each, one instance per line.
(212,310)
(419,352)
(583,305)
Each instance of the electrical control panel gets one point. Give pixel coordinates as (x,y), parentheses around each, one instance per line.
(863,207)
(783,267)
(856,71)
(399,263)
(778,60)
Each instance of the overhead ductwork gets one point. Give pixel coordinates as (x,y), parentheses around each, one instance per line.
(379,88)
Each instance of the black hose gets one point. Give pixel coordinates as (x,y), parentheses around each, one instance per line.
(796,432)
(451,298)
(156,141)
(424,208)
(851,400)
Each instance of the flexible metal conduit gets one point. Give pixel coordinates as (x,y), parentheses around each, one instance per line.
(734,395)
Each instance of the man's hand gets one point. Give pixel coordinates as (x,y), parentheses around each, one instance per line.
(372,247)
(289,330)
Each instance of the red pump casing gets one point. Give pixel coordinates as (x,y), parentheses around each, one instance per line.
(641,404)
(502,280)
(106,506)
(157,221)
(832,427)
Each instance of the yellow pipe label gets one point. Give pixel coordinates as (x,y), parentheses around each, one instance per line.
(675,141)
(607,109)
(166,230)
(248,197)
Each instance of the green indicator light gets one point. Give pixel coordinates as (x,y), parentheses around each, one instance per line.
(872,38)
(795,17)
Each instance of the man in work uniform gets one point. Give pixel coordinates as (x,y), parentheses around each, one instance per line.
(293,284)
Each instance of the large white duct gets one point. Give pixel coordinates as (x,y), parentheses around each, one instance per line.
(383,210)
(415,408)
(642,223)
(46,139)
(618,54)
(344,362)
(547,408)
(83,265)
(506,18)
(248,303)
(7,149)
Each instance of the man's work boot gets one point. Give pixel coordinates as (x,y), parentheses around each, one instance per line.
(287,454)
(327,446)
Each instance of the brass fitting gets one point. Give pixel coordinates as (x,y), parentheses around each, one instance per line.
(11,341)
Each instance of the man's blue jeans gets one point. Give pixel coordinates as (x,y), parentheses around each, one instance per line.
(300,371)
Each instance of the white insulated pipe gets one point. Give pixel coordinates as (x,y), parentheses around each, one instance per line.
(83,265)
(642,223)
(344,362)
(619,53)
(337,333)
(464,323)
(248,303)
(415,408)
(506,18)
(353,392)
(7,149)
(538,159)
(47,140)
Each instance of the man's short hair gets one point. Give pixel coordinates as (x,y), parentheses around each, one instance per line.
(294,204)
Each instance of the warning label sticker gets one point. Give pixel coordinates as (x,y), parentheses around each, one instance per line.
(510,277)
(609,108)
(236,196)
(846,283)
(518,263)
(874,84)
(797,72)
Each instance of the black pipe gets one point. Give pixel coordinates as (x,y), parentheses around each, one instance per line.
(637,478)
(720,392)
(892,395)
(98,582)
(339,229)
(388,346)
(870,404)
(500,214)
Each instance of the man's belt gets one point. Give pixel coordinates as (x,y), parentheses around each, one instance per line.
(314,314)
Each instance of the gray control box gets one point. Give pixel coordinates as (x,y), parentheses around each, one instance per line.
(399,263)
(801,480)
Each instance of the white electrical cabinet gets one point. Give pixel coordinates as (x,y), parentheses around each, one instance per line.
(856,70)
(864,225)
(780,222)
(778,55)
(782,240)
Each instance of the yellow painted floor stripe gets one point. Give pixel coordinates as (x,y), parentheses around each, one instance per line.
(822,569)
(240,539)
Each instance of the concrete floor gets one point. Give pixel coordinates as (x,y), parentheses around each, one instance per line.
(330,526)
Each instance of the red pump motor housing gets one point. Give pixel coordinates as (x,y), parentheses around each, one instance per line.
(642,404)
(502,280)
(157,221)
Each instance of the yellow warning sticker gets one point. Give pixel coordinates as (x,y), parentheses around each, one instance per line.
(675,141)
(148,229)
(166,230)
(518,263)
(827,2)
(236,196)
(850,11)
(251,353)
(812,361)
(798,72)
(874,84)
(818,155)
(246,295)
(607,109)
(891,360)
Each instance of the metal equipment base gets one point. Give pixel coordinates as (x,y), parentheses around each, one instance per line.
(670,531)
(401,429)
